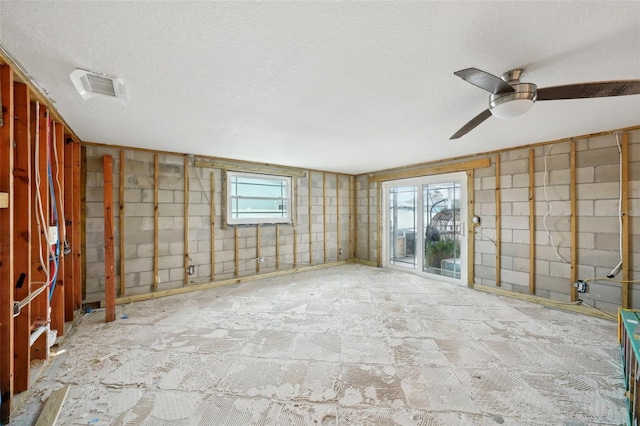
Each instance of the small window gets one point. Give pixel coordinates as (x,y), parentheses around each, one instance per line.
(255,198)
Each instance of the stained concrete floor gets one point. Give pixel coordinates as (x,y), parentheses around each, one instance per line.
(350,345)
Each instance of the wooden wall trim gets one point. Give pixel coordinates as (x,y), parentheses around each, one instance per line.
(532,223)
(433,170)
(624,212)
(498,225)
(109,269)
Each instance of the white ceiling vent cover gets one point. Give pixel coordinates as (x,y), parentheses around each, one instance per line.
(90,84)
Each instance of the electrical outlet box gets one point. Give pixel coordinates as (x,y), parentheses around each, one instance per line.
(581,286)
(261,259)
(191,270)
(53,235)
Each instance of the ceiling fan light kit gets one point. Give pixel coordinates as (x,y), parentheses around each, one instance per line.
(510,98)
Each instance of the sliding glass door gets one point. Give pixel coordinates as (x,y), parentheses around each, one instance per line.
(425,225)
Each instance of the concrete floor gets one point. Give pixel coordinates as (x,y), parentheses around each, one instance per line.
(351,345)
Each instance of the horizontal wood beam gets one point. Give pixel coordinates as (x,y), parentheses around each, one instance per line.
(250,167)
(433,170)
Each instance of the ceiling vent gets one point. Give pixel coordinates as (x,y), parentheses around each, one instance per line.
(90,84)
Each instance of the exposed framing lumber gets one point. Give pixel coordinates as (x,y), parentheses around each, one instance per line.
(236,256)
(40,190)
(109,270)
(156,220)
(471,234)
(22,236)
(498,225)
(532,223)
(432,170)
(353,214)
(368,257)
(57,167)
(78,215)
(70,260)
(6,243)
(277,246)
(574,220)
(121,231)
(53,407)
(246,166)
(258,264)
(379,225)
(309,178)
(295,248)
(624,207)
(186,220)
(213,224)
(338,216)
(324,216)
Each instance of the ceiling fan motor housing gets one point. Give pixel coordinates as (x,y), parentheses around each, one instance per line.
(513,104)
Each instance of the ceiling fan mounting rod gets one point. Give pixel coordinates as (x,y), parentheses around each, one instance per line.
(513,76)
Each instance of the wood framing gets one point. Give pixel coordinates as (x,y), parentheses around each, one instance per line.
(57,169)
(121,228)
(22,235)
(109,267)
(246,166)
(69,259)
(310,218)
(213,224)
(186,221)
(277,246)
(236,256)
(258,259)
(295,248)
(574,220)
(353,215)
(498,224)
(532,223)
(379,224)
(324,216)
(368,257)
(53,407)
(79,204)
(471,235)
(156,219)
(624,211)
(338,216)
(432,170)
(7,281)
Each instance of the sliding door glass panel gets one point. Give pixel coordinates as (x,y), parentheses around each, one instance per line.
(443,228)
(403,219)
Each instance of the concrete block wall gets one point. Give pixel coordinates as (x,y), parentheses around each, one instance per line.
(597,191)
(367,224)
(173,259)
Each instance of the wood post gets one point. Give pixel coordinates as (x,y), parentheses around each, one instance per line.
(77,220)
(624,212)
(324,215)
(310,218)
(22,235)
(498,225)
(471,234)
(258,249)
(532,223)
(156,219)
(368,257)
(213,223)
(109,270)
(121,232)
(353,214)
(69,261)
(277,246)
(338,216)
(186,221)
(237,253)
(57,175)
(574,220)
(379,214)
(7,281)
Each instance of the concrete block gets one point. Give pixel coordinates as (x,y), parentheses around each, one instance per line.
(520,236)
(553,193)
(505,181)
(585,175)
(516,250)
(517,154)
(598,191)
(584,208)
(586,240)
(484,196)
(555,208)
(554,223)
(513,167)
(553,161)
(515,277)
(515,222)
(520,208)
(605,259)
(139,237)
(607,173)
(138,265)
(548,283)
(605,292)
(560,270)
(520,180)
(607,241)
(608,208)
(602,141)
(520,264)
(596,157)
(135,224)
(604,224)
(176,248)
(514,194)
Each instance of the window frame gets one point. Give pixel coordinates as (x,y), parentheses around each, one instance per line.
(289,199)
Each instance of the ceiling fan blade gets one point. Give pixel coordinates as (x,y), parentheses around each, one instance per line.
(600,89)
(484,80)
(475,122)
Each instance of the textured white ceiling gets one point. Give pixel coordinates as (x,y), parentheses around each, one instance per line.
(342,86)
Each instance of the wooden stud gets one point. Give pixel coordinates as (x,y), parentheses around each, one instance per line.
(432,170)
(257,249)
(310,221)
(7,282)
(22,235)
(277,246)
(186,220)
(109,270)
(121,231)
(574,220)
(471,235)
(498,225)
(295,248)
(338,216)
(324,215)
(368,220)
(53,407)
(247,166)
(532,223)
(156,220)
(624,211)
(237,252)
(57,168)
(353,215)
(379,219)
(78,219)
(40,305)
(213,223)
(69,260)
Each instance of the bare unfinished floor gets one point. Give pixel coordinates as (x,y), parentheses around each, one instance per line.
(350,345)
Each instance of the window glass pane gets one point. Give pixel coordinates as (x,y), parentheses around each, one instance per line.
(258,198)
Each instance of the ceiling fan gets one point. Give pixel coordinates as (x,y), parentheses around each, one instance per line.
(510,97)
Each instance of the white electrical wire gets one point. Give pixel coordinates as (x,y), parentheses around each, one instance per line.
(40,220)
(549,208)
(477,232)
(61,220)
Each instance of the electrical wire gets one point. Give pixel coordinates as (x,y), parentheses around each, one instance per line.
(479,233)
(549,208)
(40,218)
